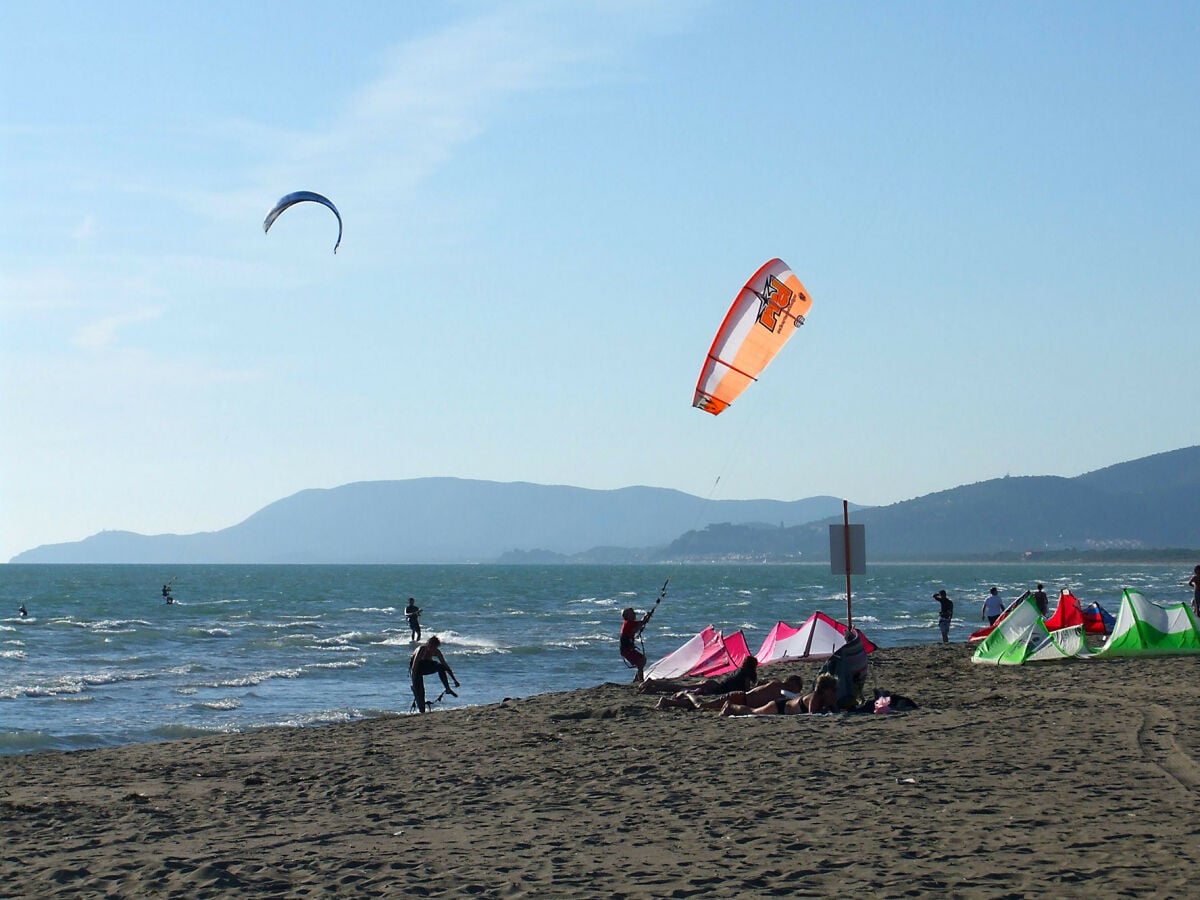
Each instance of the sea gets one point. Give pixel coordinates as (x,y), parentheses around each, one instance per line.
(101,660)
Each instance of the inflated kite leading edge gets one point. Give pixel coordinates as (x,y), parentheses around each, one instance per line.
(300,197)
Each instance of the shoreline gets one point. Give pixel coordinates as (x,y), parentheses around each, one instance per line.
(1074,777)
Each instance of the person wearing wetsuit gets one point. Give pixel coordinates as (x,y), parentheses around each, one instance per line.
(413,612)
(428,660)
(631,627)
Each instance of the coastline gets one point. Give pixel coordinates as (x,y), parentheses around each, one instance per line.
(1068,778)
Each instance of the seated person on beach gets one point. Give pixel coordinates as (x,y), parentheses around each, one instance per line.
(823,699)
(848,664)
(428,660)
(767,692)
(743,679)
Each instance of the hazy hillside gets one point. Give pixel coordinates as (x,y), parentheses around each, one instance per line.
(438,520)
(1147,503)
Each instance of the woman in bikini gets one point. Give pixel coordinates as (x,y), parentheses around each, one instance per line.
(823,699)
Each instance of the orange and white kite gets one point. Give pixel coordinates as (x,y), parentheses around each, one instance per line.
(764,316)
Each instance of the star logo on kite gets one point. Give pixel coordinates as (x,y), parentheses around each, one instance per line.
(774,299)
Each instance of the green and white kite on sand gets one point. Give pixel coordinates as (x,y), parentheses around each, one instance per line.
(1142,628)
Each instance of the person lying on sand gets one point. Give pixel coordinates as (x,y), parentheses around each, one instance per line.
(821,700)
(767,692)
(742,680)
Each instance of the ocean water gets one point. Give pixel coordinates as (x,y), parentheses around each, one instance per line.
(101,660)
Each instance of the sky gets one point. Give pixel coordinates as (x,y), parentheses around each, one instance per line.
(548,208)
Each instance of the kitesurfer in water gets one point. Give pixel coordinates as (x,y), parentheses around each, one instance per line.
(166,592)
(23,611)
(631,627)
(428,660)
(413,612)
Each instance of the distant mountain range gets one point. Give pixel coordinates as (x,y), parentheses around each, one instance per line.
(1144,504)
(441,520)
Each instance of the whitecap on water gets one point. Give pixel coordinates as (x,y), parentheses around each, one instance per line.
(224,703)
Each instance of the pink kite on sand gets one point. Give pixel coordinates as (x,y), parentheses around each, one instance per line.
(704,655)
(817,638)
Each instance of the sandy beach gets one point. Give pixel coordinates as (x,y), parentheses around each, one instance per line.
(1068,779)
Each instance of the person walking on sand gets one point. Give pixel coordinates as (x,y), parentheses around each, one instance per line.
(993,606)
(1194,584)
(631,627)
(413,612)
(945,615)
(1042,601)
(428,660)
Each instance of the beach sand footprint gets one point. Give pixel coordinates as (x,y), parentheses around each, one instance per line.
(1158,743)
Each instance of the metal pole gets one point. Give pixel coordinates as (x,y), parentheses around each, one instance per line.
(846,532)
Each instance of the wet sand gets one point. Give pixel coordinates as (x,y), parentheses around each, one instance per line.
(1061,780)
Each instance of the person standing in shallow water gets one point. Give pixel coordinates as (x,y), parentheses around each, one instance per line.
(413,612)
(993,606)
(945,615)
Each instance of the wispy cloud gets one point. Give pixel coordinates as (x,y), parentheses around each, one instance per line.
(103,332)
(435,94)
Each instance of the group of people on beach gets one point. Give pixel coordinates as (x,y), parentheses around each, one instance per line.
(740,694)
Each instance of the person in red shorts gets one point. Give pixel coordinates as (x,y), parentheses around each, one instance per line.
(631,627)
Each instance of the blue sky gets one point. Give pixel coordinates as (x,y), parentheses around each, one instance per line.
(548,208)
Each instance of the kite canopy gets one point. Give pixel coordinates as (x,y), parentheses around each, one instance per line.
(1097,619)
(987,629)
(710,653)
(1021,637)
(301,197)
(1143,628)
(818,638)
(767,311)
(705,655)
(1067,614)
(679,662)
(726,655)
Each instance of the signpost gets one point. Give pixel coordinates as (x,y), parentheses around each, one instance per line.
(848,552)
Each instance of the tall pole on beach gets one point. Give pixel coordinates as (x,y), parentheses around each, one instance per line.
(846,532)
